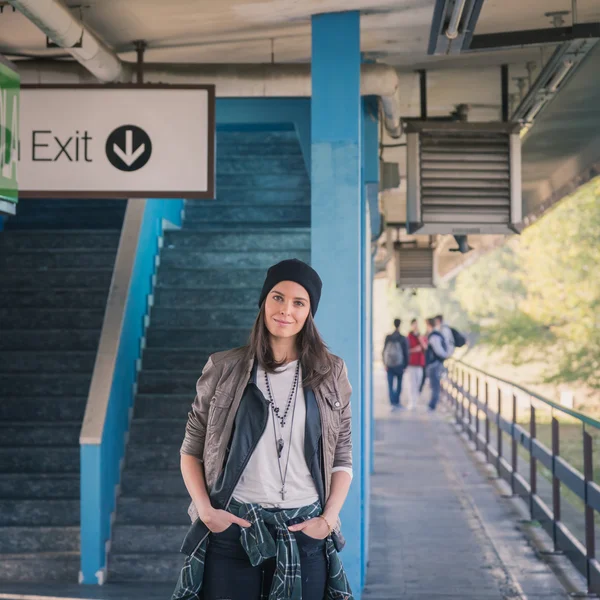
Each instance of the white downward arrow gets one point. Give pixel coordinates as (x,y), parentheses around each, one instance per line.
(129,156)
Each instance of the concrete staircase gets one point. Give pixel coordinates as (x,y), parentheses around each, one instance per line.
(56,262)
(208,284)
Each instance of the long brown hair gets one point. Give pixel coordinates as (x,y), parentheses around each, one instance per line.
(314,356)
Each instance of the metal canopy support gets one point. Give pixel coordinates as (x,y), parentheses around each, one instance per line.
(504,76)
(423,93)
(140,48)
(533,37)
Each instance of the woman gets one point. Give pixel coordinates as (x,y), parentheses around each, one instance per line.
(267,457)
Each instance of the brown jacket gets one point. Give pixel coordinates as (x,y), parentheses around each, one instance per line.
(218,394)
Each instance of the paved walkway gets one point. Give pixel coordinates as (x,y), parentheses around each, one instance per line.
(439,528)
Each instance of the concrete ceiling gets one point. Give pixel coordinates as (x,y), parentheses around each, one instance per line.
(560,150)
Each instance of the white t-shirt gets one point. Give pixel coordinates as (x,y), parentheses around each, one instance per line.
(261,482)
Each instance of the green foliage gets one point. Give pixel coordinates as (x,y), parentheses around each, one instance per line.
(537,297)
(542,292)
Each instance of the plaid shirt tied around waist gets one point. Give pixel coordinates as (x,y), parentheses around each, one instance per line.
(259,544)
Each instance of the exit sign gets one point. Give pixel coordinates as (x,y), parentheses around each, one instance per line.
(9,136)
(124,141)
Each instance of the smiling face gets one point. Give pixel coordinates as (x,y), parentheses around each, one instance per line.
(286,309)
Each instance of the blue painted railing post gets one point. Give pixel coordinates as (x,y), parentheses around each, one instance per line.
(106,420)
(93,515)
(336,228)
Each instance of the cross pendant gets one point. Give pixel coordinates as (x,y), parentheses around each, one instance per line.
(283,493)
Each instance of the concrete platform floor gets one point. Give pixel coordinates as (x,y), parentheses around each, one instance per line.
(439,526)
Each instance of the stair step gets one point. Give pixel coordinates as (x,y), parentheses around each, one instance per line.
(211,259)
(50,318)
(51,339)
(170,510)
(244,149)
(69,204)
(47,567)
(47,362)
(265,135)
(147,432)
(216,339)
(19,433)
(39,512)
(172,278)
(205,318)
(39,459)
(264,181)
(198,298)
(26,540)
(54,298)
(224,239)
(57,259)
(236,164)
(168,382)
(153,483)
(147,539)
(44,408)
(185,360)
(46,384)
(43,485)
(71,279)
(159,567)
(227,194)
(233,227)
(70,238)
(170,405)
(290,215)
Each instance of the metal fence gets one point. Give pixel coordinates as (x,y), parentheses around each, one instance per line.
(504,421)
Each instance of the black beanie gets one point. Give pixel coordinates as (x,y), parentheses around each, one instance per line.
(299,272)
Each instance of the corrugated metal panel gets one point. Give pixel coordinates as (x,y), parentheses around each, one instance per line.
(467,179)
(414,267)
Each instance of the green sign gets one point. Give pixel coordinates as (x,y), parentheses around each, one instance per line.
(9,136)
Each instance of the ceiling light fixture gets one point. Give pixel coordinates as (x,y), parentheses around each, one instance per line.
(457,11)
(453,25)
(552,78)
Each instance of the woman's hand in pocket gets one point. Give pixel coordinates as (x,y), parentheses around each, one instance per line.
(315,528)
(219,520)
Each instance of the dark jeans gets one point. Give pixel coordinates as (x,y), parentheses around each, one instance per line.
(434,374)
(228,574)
(394,375)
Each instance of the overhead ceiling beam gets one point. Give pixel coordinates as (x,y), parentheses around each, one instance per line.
(533,37)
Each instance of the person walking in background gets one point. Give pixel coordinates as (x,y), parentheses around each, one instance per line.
(416,364)
(435,355)
(447,333)
(395,358)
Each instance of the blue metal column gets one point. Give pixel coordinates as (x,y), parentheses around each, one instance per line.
(371,190)
(370,225)
(336,228)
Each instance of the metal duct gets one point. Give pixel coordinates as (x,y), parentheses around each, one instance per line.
(463,178)
(65,30)
(234,80)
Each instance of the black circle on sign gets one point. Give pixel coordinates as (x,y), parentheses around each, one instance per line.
(128,148)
